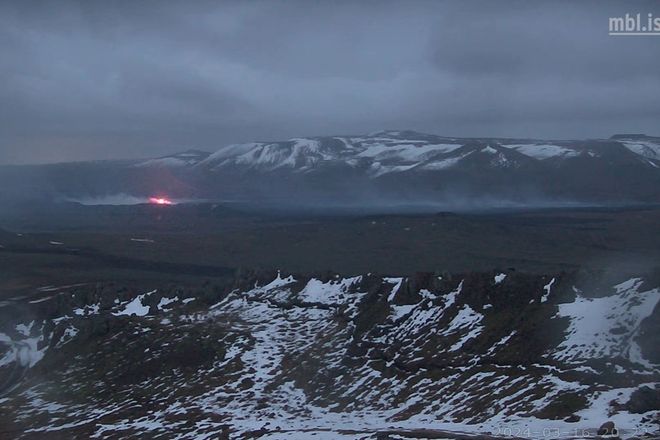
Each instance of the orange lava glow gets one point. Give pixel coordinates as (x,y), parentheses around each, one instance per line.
(160,201)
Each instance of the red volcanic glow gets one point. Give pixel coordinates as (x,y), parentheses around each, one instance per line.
(160,201)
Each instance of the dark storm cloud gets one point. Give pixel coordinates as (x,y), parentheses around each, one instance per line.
(82,80)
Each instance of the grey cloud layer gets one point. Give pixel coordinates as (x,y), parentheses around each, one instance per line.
(127,79)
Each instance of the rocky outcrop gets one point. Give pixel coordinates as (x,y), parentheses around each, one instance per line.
(644,399)
(271,351)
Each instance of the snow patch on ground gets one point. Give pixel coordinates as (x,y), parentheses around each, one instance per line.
(466,319)
(164,302)
(279,282)
(87,310)
(135,307)
(607,326)
(397,285)
(331,292)
(547,289)
(542,151)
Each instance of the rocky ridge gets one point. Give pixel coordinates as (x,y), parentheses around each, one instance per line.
(287,356)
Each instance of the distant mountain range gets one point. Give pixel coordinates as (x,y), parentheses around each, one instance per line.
(390,167)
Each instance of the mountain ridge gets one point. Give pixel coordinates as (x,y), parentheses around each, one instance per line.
(391,165)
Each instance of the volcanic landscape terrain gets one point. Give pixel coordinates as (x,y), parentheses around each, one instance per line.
(149,299)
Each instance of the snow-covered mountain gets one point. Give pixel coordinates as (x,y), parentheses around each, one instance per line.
(380,167)
(277,356)
(182,159)
(397,152)
(642,145)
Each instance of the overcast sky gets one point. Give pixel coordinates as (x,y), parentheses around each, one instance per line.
(96,80)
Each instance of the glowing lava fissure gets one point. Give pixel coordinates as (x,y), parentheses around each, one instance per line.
(160,201)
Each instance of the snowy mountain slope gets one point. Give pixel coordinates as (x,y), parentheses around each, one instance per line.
(390,152)
(646,146)
(377,155)
(182,159)
(542,151)
(646,149)
(278,356)
(306,154)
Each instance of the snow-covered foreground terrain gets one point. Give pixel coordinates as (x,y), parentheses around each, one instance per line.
(291,357)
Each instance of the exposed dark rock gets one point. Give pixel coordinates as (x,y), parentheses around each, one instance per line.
(647,337)
(607,428)
(644,399)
